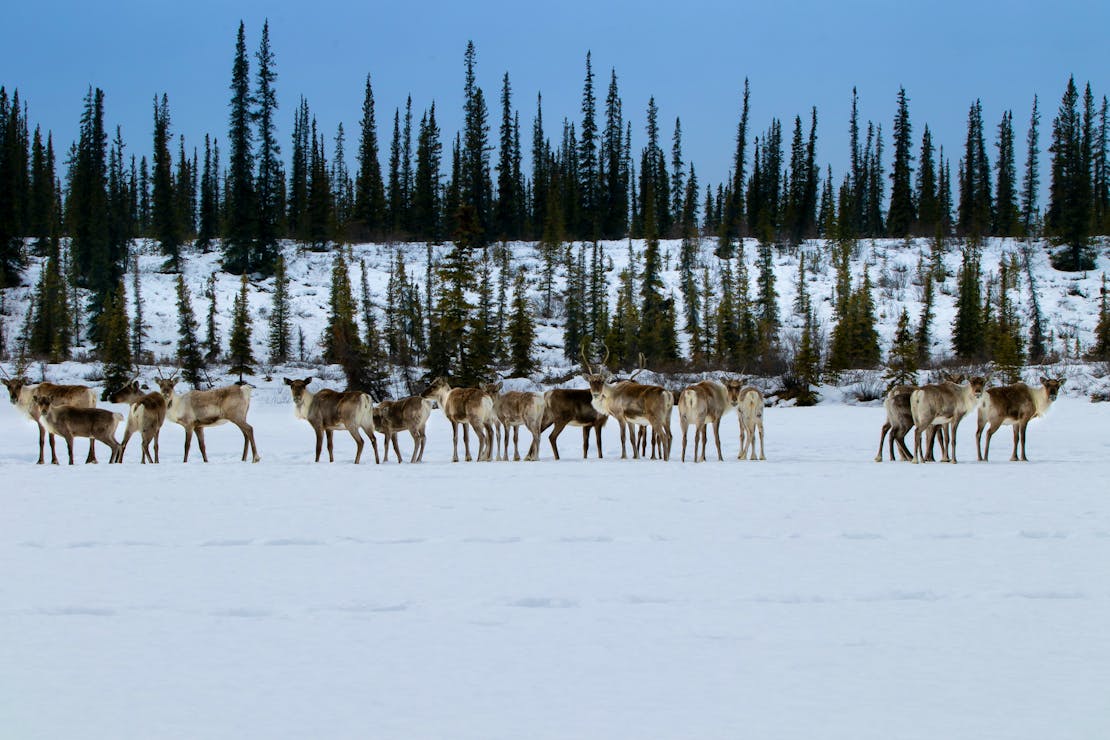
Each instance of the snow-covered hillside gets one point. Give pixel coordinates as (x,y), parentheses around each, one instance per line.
(1069,301)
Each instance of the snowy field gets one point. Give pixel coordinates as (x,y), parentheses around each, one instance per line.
(815,595)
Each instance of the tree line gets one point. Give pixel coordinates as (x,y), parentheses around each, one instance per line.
(586,185)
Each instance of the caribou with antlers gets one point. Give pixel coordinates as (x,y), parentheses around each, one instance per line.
(411,413)
(1017,405)
(631,403)
(466,406)
(22,394)
(197,410)
(146,414)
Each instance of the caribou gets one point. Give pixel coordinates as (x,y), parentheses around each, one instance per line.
(702,404)
(327,410)
(1017,405)
(78,421)
(146,414)
(465,406)
(411,413)
(197,410)
(945,405)
(899,421)
(748,402)
(22,395)
(514,409)
(632,403)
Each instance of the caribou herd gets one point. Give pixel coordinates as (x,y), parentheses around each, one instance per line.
(930,411)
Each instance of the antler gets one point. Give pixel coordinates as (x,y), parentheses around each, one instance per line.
(585,360)
(2,370)
(639,369)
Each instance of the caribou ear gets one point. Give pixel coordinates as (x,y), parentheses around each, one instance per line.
(287,381)
(308,380)
(497,386)
(1061,380)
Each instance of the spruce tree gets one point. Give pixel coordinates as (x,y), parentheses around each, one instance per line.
(928,204)
(733,222)
(767,306)
(902,361)
(903,212)
(50,330)
(13,187)
(521,330)
(1007,217)
(269,188)
(1030,183)
(508,194)
(475,187)
(115,349)
(1068,217)
(342,344)
(209,222)
(377,361)
(189,355)
(369,205)
(612,166)
(924,336)
(138,325)
(280,341)
(239,343)
(241,210)
(212,331)
(1100,350)
(968,332)
(426,179)
(976,199)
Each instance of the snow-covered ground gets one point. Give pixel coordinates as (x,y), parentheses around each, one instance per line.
(815,595)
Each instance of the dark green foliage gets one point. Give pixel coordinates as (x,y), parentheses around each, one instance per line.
(114,350)
(241,209)
(1007,217)
(1068,219)
(733,223)
(482,340)
(280,315)
(208,227)
(369,205)
(319,224)
(1004,343)
(903,211)
(613,167)
(574,297)
(855,342)
(521,330)
(924,336)
(51,325)
(928,202)
(13,188)
(342,344)
(426,185)
(968,332)
(377,362)
(1101,348)
(138,325)
(269,187)
(976,205)
(1031,181)
(475,187)
(901,363)
(509,208)
(189,355)
(239,343)
(212,333)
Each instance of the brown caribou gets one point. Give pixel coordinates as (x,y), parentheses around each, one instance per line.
(748,402)
(22,395)
(943,404)
(702,404)
(1017,405)
(466,406)
(632,403)
(79,421)
(411,413)
(197,410)
(899,421)
(146,414)
(563,407)
(327,410)
(515,409)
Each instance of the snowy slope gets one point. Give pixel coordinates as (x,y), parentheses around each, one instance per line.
(817,594)
(1069,301)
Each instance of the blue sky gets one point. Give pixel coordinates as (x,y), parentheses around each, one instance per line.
(692,56)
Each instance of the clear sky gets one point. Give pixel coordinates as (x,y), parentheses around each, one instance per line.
(692,56)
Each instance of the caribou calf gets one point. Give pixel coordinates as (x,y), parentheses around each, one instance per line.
(748,402)
(22,395)
(702,404)
(146,414)
(515,409)
(1017,405)
(465,406)
(564,407)
(899,421)
(328,410)
(943,404)
(391,417)
(77,421)
(197,410)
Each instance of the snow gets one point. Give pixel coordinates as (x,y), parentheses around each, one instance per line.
(817,594)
